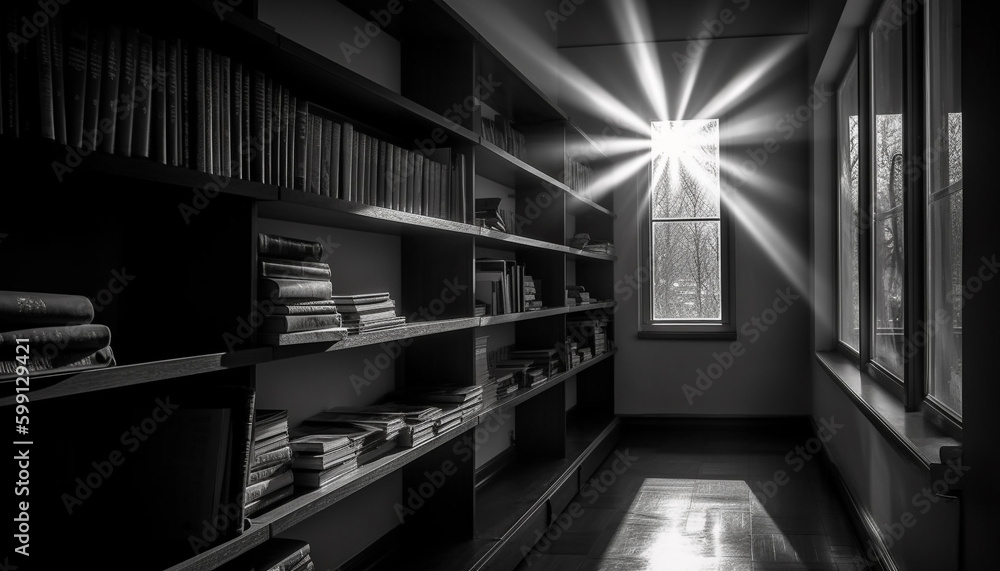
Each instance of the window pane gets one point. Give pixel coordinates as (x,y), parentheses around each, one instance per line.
(686,271)
(944,203)
(686,169)
(850,281)
(888,255)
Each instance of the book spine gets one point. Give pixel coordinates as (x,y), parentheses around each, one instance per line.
(275,137)
(199,103)
(110,85)
(216,111)
(397,170)
(271,246)
(314,165)
(76,82)
(248,148)
(301,144)
(346,144)
(185,108)
(236,150)
(290,269)
(58,80)
(281,153)
(158,146)
(226,116)
(125,104)
(269,458)
(326,148)
(257,126)
(335,153)
(420,200)
(290,102)
(268,140)
(173,105)
(142,119)
(290,289)
(357,192)
(95,72)
(373,146)
(8,68)
(47,119)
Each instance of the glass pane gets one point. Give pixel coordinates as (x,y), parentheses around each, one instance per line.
(944,203)
(889,253)
(686,271)
(850,281)
(686,169)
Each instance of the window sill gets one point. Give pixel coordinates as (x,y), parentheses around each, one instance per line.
(697,332)
(913,435)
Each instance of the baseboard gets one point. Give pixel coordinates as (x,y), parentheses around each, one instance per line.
(714,421)
(862,521)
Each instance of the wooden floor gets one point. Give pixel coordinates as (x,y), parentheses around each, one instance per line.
(704,496)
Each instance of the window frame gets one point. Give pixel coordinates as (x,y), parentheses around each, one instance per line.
(912,389)
(724,328)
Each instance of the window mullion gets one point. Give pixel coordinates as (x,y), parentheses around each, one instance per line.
(866,138)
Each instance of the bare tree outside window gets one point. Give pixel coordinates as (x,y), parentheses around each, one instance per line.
(686,221)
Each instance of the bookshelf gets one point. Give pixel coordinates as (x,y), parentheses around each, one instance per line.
(195,282)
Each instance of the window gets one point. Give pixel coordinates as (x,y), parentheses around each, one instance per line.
(900,207)
(888,222)
(850,216)
(944,204)
(686,231)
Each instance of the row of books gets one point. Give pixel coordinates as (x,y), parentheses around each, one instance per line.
(275,554)
(523,368)
(48,333)
(102,86)
(583,241)
(578,176)
(500,132)
(590,333)
(297,285)
(379,173)
(577,295)
(503,287)
(363,313)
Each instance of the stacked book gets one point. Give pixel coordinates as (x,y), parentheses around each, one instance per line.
(506,384)
(386,428)
(527,371)
(578,295)
(584,242)
(466,401)
(324,454)
(570,352)
(531,301)
(270,478)
(276,554)
(578,176)
(46,333)
(500,132)
(367,312)
(295,290)
(546,359)
(489,215)
(483,376)
(421,420)
(592,331)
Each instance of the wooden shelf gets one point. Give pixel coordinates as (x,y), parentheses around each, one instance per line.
(303,505)
(524,394)
(541,313)
(68,384)
(37,155)
(221,554)
(408,331)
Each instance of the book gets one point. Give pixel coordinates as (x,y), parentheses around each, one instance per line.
(258,489)
(76,81)
(92,97)
(346,166)
(355,318)
(295,269)
(279,289)
(268,473)
(330,335)
(269,423)
(326,439)
(354,328)
(272,246)
(257,506)
(345,300)
(305,308)
(318,479)
(324,461)
(294,323)
(271,443)
(270,458)
(52,341)
(365,309)
(20,309)
(58,80)
(100,359)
